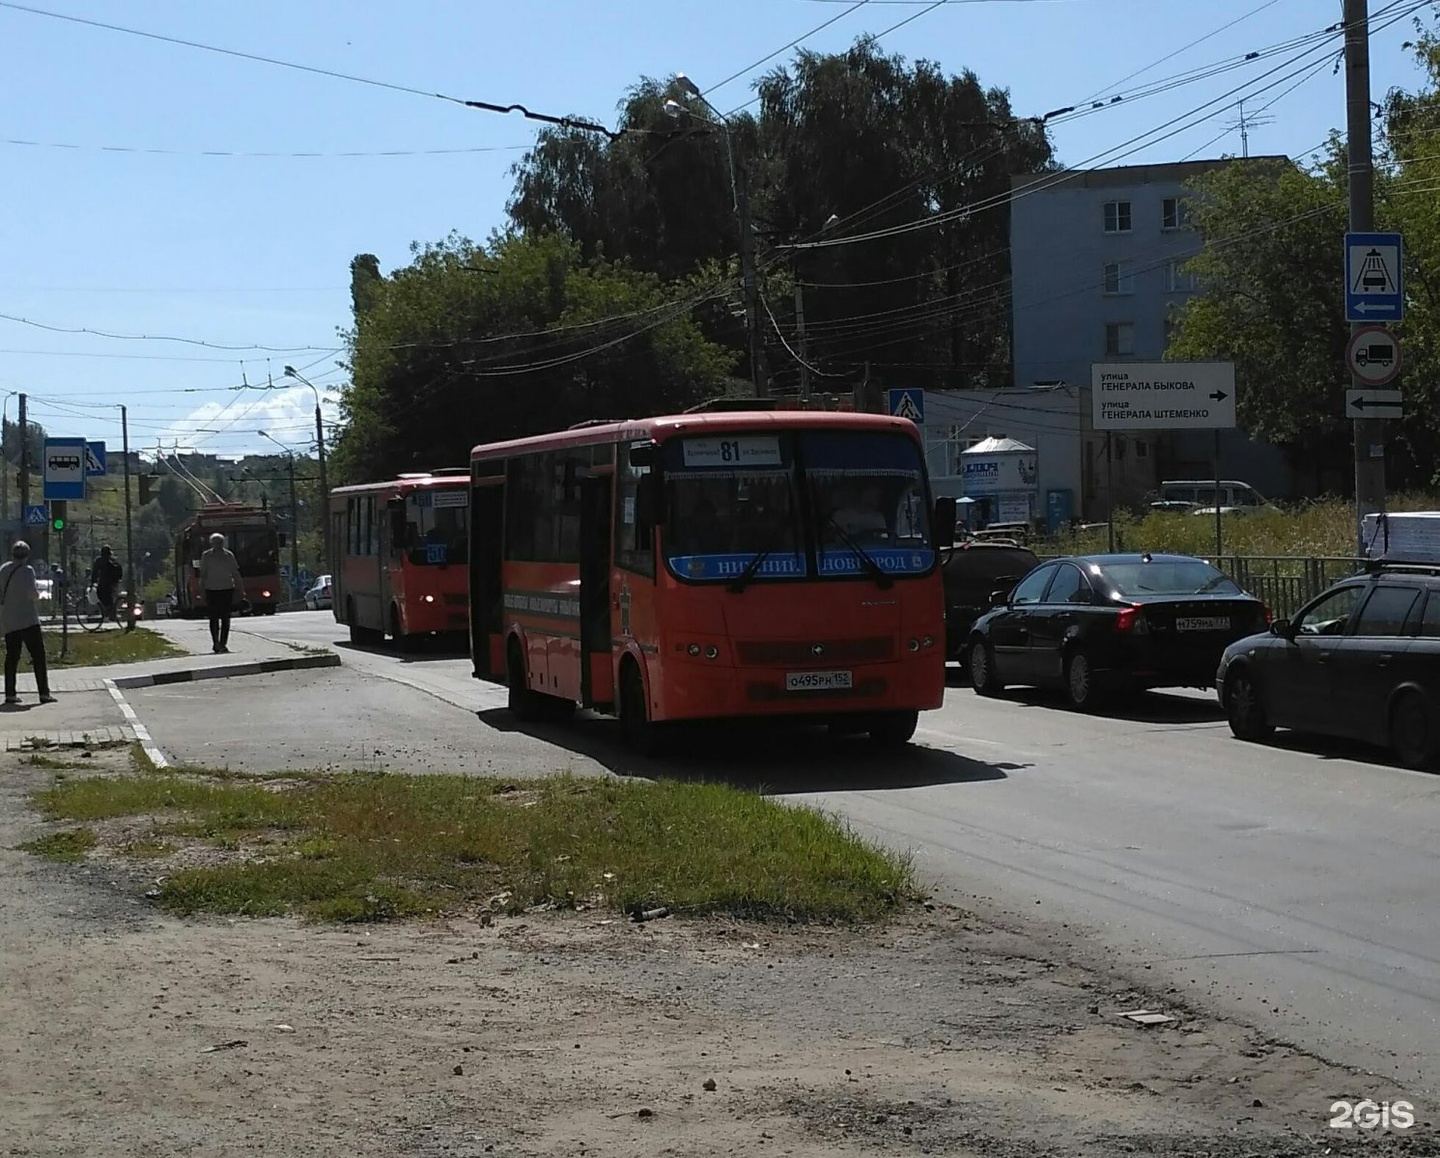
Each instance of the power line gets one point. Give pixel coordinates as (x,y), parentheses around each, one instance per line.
(298,154)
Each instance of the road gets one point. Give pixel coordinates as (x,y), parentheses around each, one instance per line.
(1290,885)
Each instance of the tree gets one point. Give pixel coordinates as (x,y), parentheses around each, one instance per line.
(864,137)
(474,343)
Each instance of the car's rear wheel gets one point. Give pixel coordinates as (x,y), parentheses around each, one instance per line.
(1413,737)
(983,677)
(1245,710)
(1082,686)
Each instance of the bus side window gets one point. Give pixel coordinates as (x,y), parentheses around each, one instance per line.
(634,532)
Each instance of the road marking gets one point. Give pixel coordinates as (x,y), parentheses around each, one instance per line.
(142,733)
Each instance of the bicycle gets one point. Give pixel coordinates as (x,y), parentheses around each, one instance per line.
(92,615)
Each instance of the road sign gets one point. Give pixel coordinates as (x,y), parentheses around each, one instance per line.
(1374,404)
(94,459)
(1373,355)
(1374,277)
(64,464)
(907,402)
(36,515)
(1162,395)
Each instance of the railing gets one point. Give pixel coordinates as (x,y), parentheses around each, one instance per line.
(1284,583)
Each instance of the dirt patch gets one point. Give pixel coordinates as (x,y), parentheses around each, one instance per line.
(549,1034)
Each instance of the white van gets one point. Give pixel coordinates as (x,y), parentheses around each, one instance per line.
(1199,495)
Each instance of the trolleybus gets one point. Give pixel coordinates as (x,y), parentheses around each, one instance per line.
(250,532)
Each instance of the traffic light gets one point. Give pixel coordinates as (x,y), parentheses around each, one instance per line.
(57,516)
(146,482)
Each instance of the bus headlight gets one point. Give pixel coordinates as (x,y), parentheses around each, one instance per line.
(429,599)
(914,645)
(928,641)
(711,652)
(693,649)
(264,595)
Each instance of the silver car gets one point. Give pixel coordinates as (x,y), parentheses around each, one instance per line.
(318,598)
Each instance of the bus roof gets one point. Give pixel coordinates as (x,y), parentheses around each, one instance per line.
(672,425)
(229,513)
(454,477)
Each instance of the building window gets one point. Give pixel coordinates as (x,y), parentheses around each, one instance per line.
(1142,450)
(1117,217)
(1118,279)
(1175,213)
(1119,339)
(1178,279)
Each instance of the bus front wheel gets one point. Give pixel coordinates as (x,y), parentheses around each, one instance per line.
(403,643)
(894,729)
(523,703)
(642,734)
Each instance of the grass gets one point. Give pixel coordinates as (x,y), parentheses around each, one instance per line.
(107,646)
(1320,529)
(69,845)
(365,847)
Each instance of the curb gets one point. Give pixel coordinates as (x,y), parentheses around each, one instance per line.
(224,671)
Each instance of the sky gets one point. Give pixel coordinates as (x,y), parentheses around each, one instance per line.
(177,224)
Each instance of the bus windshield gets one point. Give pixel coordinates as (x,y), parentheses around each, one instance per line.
(852,494)
(256,550)
(438,530)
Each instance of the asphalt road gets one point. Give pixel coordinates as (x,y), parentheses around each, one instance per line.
(1293,885)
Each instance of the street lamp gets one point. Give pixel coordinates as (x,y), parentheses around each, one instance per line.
(740,196)
(291,372)
(294,517)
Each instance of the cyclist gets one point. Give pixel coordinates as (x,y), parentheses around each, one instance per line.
(106,575)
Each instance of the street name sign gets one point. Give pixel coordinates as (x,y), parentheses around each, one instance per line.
(1373,355)
(1374,277)
(1162,395)
(907,402)
(64,469)
(1374,404)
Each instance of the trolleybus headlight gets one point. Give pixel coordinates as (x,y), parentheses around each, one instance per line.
(694,649)
(711,652)
(429,599)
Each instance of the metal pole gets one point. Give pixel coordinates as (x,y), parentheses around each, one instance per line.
(1369,432)
(1110,488)
(5,474)
(758,370)
(294,532)
(1218,550)
(24,479)
(129,526)
(800,342)
(324,487)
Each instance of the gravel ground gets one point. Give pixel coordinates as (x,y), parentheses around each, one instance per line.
(132,1033)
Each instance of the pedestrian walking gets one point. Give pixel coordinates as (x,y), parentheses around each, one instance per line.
(220,580)
(20,621)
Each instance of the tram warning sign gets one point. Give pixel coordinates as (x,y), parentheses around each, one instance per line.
(1374,277)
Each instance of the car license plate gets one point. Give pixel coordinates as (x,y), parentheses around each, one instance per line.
(1203,623)
(817,681)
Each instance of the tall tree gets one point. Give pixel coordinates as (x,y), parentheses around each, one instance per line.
(858,136)
(473,343)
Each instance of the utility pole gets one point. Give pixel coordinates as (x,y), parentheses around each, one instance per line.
(324,504)
(24,479)
(294,534)
(129,525)
(759,370)
(800,342)
(1369,432)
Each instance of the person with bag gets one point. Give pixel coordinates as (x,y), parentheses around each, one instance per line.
(220,579)
(20,621)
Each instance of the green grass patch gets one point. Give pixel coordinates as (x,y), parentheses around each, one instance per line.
(69,845)
(363,847)
(52,763)
(107,646)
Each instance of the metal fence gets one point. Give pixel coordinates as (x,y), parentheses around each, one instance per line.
(1283,582)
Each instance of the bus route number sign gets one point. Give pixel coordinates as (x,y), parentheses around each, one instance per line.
(723,452)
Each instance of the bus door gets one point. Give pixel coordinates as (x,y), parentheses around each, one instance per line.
(394,540)
(487,589)
(596,672)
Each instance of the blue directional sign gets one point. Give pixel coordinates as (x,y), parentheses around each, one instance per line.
(94,460)
(907,402)
(64,467)
(36,515)
(1374,277)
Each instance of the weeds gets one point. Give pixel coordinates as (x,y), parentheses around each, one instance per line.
(69,845)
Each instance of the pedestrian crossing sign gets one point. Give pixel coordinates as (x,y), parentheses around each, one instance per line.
(907,402)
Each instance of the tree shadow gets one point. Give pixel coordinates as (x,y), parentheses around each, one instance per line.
(771,758)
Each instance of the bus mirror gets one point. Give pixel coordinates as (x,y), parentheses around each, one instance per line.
(280,539)
(944,529)
(643,455)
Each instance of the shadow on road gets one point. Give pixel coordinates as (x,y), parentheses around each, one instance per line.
(773,759)
(1333,748)
(426,650)
(1139,707)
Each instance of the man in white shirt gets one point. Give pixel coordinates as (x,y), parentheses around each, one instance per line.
(20,621)
(220,580)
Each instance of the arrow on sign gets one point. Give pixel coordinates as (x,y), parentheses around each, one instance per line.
(1219,396)
(1374,308)
(1374,404)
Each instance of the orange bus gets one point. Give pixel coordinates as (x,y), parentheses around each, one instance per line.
(250,532)
(399,554)
(713,564)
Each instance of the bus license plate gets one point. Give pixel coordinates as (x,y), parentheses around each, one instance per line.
(818,681)
(1203,623)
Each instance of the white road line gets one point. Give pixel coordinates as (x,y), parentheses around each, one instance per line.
(142,734)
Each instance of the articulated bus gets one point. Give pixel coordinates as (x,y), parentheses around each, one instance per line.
(250,532)
(399,557)
(713,565)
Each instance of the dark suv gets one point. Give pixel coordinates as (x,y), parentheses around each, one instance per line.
(1361,662)
(973,572)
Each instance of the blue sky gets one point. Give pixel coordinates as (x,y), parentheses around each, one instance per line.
(248,250)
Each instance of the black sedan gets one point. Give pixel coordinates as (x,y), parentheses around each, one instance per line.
(1094,624)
